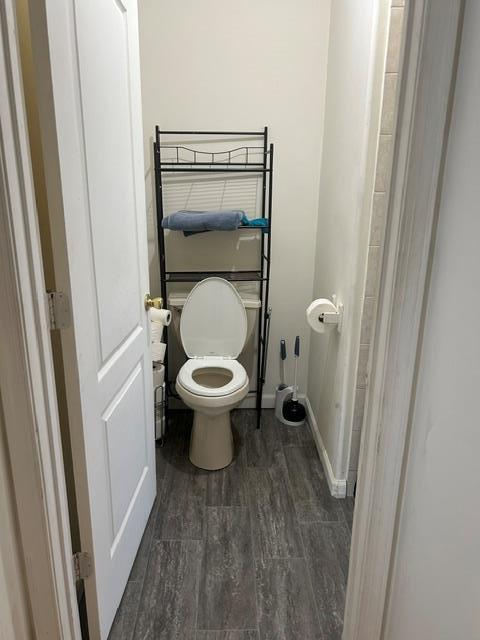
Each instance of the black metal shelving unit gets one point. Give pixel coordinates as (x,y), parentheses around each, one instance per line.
(238,160)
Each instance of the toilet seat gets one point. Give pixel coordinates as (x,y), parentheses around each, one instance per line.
(213,320)
(185,376)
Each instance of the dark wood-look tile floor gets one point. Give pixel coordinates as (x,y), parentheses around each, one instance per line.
(257,551)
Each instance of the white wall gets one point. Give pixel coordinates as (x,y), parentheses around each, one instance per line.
(344,209)
(435,590)
(240,66)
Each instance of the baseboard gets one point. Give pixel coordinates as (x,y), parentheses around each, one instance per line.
(337,486)
(268,402)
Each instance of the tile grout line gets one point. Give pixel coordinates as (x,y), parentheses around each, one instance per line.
(156,507)
(199,577)
(203,541)
(312,592)
(222,630)
(252,541)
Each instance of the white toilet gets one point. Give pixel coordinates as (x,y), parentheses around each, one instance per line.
(213,330)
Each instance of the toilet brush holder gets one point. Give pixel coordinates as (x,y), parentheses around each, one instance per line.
(282,394)
(299,414)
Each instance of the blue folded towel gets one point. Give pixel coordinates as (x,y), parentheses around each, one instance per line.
(191,222)
(198,221)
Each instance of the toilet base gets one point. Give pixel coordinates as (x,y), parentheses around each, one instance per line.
(211,442)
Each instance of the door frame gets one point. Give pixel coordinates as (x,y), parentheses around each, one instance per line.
(430,54)
(27,384)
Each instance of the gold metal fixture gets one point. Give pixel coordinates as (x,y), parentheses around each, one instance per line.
(153,303)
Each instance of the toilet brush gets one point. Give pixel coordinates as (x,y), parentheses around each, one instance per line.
(283,357)
(283,391)
(293,410)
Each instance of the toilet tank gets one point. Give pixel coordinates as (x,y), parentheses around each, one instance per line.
(249,297)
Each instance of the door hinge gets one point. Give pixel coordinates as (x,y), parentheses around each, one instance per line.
(82,565)
(58,310)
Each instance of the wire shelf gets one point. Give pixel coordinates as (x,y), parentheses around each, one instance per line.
(242,158)
(232,276)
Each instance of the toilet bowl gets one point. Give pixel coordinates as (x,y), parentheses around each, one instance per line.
(213,330)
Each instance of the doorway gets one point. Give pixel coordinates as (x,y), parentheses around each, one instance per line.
(309,184)
(303,530)
(32,442)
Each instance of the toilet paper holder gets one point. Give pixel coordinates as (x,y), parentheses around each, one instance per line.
(331,317)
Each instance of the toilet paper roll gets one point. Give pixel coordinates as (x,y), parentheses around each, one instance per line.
(156,331)
(314,311)
(158,376)
(157,350)
(161,316)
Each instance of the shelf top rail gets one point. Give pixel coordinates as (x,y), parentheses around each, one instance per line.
(186,158)
(211,133)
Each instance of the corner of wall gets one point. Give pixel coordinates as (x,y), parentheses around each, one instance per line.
(394,20)
(331,366)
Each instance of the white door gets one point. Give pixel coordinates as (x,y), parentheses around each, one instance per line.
(90,109)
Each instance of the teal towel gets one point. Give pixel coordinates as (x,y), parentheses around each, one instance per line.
(255,222)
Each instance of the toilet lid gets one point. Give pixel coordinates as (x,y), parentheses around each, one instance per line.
(213,320)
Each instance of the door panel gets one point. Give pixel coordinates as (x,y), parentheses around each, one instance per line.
(106,105)
(90,112)
(126,448)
